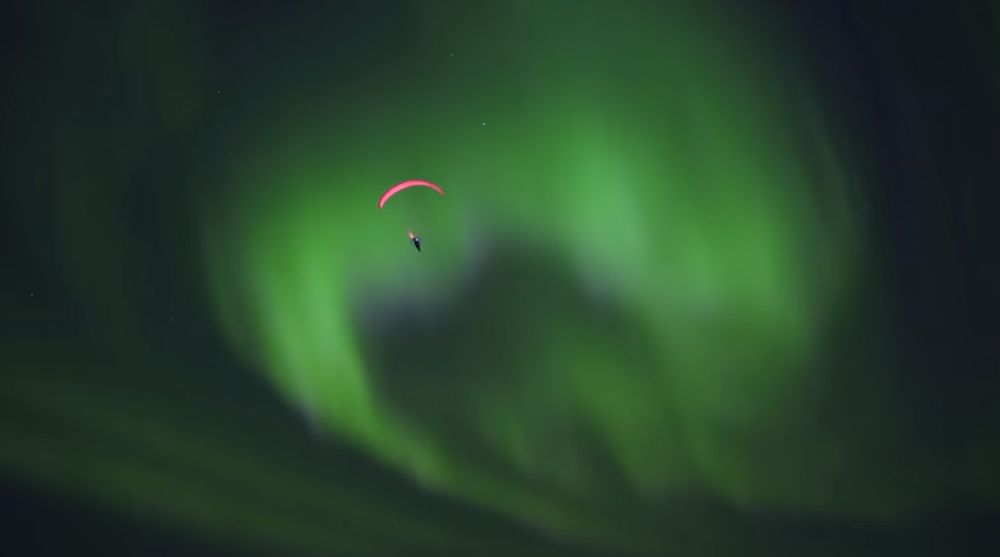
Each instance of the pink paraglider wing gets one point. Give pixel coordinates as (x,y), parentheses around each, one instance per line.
(404,185)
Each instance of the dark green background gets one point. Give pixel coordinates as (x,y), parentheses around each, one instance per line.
(709,278)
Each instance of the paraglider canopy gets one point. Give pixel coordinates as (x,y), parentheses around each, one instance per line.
(404,185)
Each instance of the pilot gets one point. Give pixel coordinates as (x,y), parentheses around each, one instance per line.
(414,239)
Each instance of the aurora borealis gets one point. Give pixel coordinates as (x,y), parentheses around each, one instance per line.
(708,279)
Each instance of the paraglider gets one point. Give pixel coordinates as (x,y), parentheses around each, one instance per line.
(414,239)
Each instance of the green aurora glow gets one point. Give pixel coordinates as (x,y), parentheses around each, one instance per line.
(645,287)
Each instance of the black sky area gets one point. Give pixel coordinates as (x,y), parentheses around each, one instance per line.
(909,67)
(921,79)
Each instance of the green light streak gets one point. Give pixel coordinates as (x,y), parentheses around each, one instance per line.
(668,175)
(642,304)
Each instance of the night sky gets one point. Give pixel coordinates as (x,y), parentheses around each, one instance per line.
(708,278)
